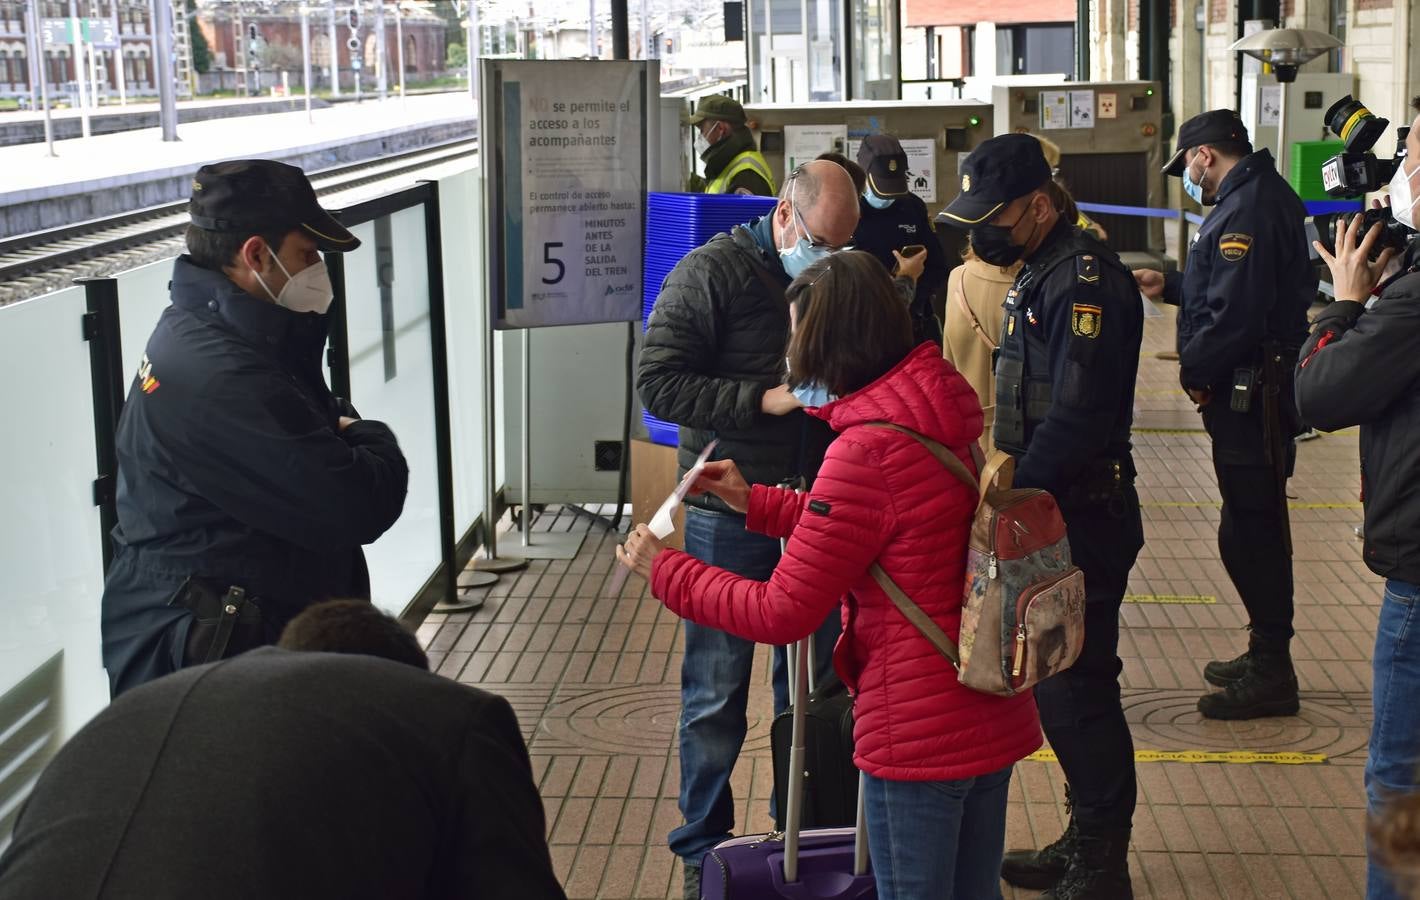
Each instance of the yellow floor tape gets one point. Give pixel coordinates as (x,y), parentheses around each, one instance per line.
(1169,598)
(1215,504)
(1246,757)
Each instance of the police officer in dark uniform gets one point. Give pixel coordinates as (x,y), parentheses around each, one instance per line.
(890,219)
(245,488)
(1242,317)
(1065,377)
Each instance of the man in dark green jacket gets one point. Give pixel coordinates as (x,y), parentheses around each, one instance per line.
(733,164)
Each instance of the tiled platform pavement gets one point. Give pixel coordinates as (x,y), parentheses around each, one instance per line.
(595,681)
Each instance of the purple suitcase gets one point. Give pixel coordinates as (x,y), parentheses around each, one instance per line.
(822,864)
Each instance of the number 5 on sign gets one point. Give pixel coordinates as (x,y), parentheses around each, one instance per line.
(551,260)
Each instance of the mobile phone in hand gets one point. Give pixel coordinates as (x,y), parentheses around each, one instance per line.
(908,252)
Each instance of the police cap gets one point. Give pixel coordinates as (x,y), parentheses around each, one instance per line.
(1211,127)
(1000,170)
(263,195)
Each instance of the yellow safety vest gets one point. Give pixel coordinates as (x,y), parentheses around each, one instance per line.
(749,159)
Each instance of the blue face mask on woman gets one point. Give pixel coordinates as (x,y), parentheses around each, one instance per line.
(803,253)
(877,202)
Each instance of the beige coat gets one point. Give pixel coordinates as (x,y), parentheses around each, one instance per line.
(976,289)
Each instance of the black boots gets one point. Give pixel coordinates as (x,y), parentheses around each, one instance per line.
(1039,869)
(1083,864)
(1259,683)
(1099,868)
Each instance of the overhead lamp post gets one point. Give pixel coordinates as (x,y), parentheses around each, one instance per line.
(1286,50)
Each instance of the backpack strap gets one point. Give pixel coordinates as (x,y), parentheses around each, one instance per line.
(909,609)
(999,467)
(919,619)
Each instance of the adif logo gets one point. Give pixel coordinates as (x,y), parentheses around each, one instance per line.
(627,288)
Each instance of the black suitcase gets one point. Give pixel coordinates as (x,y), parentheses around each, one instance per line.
(830,776)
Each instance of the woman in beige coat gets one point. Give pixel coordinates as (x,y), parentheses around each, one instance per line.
(976,291)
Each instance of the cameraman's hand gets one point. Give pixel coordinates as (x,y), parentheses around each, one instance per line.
(1353,275)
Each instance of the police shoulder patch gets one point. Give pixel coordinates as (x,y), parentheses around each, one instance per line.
(1087,269)
(1234,246)
(1085,320)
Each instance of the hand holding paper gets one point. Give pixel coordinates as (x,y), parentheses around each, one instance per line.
(662,523)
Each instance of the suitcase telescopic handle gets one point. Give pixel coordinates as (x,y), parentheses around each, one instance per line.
(793,814)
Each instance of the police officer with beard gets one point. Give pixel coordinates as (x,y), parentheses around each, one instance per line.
(1065,377)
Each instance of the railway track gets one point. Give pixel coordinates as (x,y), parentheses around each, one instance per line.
(43,261)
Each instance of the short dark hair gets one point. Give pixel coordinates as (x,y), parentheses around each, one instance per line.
(1231,149)
(216,250)
(852,325)
(353,626)
(855,171)
(1415,103)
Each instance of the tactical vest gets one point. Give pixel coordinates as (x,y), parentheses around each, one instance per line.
(749,159)
(1023,386)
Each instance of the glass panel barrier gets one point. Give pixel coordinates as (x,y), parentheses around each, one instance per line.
(142,297)
(466,308)
(391,379)
(51,570)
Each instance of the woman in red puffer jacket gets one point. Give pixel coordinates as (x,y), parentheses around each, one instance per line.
(938,755)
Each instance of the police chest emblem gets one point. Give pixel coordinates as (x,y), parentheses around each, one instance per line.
(146,382)
(965,183)
(1234,246)
(1085,320)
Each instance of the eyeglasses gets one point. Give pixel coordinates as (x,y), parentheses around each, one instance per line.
(814,242)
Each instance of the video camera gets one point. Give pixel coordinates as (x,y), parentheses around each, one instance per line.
(1356,171)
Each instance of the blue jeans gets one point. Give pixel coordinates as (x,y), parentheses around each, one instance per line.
(714,684)
(1391,764)
(937,840)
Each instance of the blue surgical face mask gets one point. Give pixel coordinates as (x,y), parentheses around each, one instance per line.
(813,394)
(1194,189)
(877,202)
(802,253)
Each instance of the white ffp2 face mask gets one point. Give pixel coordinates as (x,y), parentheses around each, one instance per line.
(1402,197)
(309,290)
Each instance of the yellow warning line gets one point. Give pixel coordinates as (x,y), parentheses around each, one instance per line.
(1169,598)
(1244,757)
(1215,504)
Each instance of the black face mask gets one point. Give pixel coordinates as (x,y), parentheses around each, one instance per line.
(993,243)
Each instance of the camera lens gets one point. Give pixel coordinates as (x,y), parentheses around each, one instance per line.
(1360,128)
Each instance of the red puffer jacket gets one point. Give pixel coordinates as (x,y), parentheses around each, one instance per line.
(882,497)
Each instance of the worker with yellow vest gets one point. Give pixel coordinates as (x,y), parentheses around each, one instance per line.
(723,141)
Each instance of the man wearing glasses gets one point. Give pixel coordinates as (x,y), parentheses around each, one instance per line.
(713,363)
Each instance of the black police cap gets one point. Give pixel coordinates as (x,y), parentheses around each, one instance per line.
(263,195)
(882,157)
(1212,127)
(1000,170)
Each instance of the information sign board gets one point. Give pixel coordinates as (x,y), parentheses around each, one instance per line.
(566,188)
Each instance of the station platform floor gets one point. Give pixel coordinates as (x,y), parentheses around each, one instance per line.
(1272,808)
(112,160)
